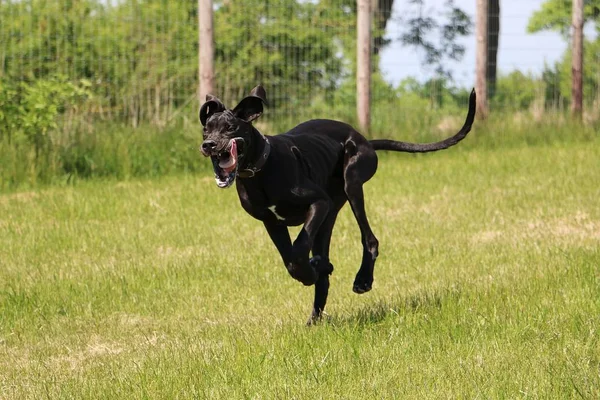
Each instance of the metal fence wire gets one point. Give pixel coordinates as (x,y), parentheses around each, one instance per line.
(139,58)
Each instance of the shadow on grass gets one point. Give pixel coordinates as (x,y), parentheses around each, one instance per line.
(423,301)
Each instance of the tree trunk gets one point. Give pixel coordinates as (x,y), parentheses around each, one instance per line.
(577,65)
(384,12)
(493,36)
(481,58)
(206,51)
(363,64)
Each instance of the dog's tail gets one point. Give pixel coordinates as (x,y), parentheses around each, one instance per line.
(393,145)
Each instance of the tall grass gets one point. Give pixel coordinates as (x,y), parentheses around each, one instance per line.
(108,150)
(83,151)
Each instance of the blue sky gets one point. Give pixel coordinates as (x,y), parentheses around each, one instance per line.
(517,48)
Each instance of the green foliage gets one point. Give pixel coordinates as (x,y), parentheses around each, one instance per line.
(440,93)
(35,108)
(9,110)
(141,55)
(269,43)
(555,15)
(591,72)
(517,91)
(133,53)
(556,80)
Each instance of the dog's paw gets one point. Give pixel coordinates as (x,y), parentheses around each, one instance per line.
(316,317)
(303,272)
(362,284)
(321,266)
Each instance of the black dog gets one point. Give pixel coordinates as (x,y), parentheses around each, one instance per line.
(303,176)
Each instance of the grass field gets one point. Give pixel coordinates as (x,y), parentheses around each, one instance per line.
(487,286)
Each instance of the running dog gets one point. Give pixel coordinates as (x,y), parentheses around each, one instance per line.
(303,176)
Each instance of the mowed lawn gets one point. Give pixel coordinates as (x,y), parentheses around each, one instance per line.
(487,286)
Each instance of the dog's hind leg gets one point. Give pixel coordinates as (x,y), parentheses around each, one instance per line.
(360,164)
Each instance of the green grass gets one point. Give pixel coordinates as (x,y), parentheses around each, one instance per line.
(487,287)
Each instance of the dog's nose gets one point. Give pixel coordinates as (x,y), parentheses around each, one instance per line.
(208,146)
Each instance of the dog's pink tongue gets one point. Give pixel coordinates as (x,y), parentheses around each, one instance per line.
(233,152)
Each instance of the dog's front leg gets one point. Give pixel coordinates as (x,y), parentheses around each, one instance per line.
(295,257)
(300,267)
(303,272)
(280,236)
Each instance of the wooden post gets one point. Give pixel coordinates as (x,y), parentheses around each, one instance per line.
(577,65)
(206,51)
(363,65)
(493,39)
(481,59)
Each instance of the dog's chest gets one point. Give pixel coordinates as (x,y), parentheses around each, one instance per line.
(273,209)
(287,214)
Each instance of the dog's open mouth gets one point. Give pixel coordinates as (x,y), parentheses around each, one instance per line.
(225,164)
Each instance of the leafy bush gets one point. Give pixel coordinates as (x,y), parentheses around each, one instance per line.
(517,91)
(29,111)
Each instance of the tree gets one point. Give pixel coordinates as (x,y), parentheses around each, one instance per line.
(577,64)
(270,45)
(481,61)
(141,56)
(363,64)
(452,24)
(383,13)
(206,49)
(556,15)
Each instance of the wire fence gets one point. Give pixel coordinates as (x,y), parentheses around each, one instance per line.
(137,60)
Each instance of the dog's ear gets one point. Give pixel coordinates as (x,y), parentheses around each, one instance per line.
(251,107)
(212,105)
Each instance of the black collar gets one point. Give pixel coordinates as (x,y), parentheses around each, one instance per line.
(250,169)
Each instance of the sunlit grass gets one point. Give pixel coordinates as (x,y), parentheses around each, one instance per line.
(487,286)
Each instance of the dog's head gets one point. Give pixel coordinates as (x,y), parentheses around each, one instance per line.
(228,134)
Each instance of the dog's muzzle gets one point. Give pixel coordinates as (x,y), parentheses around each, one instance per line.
(225,161)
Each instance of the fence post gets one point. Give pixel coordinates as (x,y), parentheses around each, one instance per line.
(481,56)
(206,49)
(577,65)
(492,53)
(363,64)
